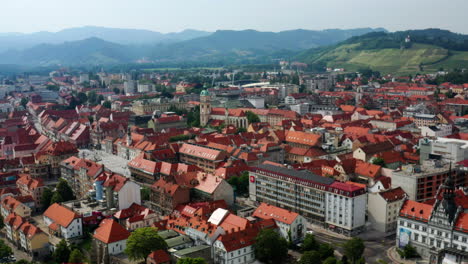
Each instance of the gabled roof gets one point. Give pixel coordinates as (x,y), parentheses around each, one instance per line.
(303,138)
(109,231)
(266,211)
(392,195)
(60,214)
(415,210)
(160,256)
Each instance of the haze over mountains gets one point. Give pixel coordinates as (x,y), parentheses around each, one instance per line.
(97,45)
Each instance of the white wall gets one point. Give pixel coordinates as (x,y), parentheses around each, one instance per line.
(129,194)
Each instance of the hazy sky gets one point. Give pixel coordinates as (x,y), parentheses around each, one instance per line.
(265,15)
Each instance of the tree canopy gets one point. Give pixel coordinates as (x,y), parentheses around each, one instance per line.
(142,242)
(62,252)
(353,249)
(252,117)
(5,250)
(76,256)
(270,247)
(310,243)
(65,191)
(46,198)
(192,261)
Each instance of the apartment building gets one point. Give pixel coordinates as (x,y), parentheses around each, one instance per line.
(340,207)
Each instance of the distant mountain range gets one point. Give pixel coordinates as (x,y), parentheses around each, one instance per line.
(99,46)
(19,41)
(409,52)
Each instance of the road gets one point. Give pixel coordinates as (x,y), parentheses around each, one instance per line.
(375,250)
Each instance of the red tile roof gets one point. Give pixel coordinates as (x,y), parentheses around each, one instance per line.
(415,210)
(303,138)
(109,231)
(266,211)
(393,194)
(160,256)
(60,214)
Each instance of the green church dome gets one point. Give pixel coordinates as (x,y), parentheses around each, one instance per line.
(205,93)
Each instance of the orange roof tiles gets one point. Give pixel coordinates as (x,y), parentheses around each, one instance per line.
(303,138)
(415,210)
(109,231)
(201,152)
(60,214)
(266,211)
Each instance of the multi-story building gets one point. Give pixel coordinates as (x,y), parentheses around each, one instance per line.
(438,231)
(204,157)
(33,187)
(384,207)
(165,196)
(147,107)
(338,206)
(436,131)
(450,149)
(421,182)
(291,225)
(80,174)
(63,223)
(421,120)
(109,239)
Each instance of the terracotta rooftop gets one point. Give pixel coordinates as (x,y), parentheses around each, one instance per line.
(109,231)
(266,211)
(60,214)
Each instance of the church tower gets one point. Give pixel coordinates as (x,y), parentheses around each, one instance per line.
(205,107)
(358,96)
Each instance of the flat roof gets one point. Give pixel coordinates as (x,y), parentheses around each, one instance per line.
(301,174)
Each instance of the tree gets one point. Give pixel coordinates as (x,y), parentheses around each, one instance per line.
(326,251)
(52,87)
(2,225)
(24,102)
(379,161)
(192,261)
(56,198)
(82,97)
(62,252)
(65,191)
(241,183)
(353,249)
(330,260)
(145,193)
(5,250)
(252,117)
(92,97)
(76,256)
(310,257)
(142,242)
(46,198)
(116,90)
(107,104)
(408,252)
(270,247)
(309,243)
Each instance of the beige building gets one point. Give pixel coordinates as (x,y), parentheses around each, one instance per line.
(147,107)
(383,209)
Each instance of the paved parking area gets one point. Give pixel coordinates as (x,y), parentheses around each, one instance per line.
(111,162)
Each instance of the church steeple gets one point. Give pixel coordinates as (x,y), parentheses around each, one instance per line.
(448,201)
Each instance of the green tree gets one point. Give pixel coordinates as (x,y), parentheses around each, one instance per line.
(192,261)
(62,252)
(5,250)
(92,97)
(107,104)
(353,249)
(379,161)
(310,243)
(46,198)
(116,90)
(82,97)
(142,242)
(252,117)
(270,247)
(65,191)
(145,193)
(408,252)
(76,256)
(2,225)
(53,87)
(24,102)
(330,260)
(56,198)
(310,257)
(326,251)
(241,183)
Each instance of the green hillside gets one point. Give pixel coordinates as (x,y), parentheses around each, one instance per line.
(383,52)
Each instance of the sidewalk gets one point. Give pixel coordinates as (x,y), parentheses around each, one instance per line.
(325,231)
(395,257)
